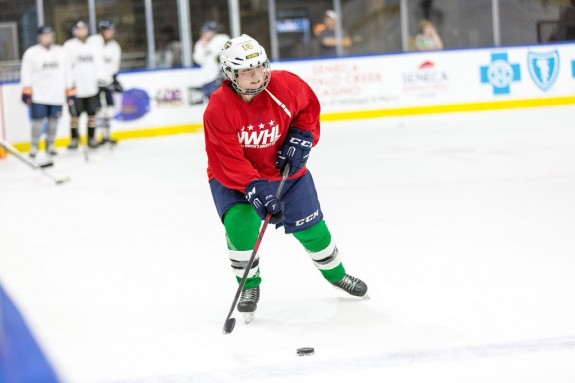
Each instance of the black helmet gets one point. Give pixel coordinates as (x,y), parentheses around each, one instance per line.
(210,26)
(44,29)
(105,24)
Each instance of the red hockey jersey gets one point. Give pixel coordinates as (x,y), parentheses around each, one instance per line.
(242,139)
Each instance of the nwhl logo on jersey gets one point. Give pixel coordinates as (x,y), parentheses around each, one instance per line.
(259,136)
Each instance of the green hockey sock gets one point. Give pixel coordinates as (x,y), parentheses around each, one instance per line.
(322,250)
(242,225)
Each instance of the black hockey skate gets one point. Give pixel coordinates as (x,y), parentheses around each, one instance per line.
(249,303)
(93,143)
(73,144)
(33,152)
(109,141)
(352,285)
(51,150)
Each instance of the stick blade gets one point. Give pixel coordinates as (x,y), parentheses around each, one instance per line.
(229,325)
(46,164)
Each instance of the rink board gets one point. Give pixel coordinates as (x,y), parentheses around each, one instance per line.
(169,101)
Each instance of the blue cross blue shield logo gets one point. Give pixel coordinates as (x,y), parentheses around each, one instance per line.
(543,68)
(500,73)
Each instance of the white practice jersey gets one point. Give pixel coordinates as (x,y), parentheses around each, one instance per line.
(46,72)
(112,54)
(208,57)
(86,61)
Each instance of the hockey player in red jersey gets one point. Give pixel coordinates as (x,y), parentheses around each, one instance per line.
(257,122)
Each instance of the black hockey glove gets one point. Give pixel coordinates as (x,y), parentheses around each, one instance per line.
(71,101)
(116,86)
(27,98)
(295,150)
(260,193)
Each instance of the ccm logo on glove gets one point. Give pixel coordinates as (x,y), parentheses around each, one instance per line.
(301,142)
(295,150)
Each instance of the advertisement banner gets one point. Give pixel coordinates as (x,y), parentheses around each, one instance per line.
(171,100)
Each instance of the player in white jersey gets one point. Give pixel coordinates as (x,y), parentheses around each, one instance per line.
(86,61)
(107,78)
(46,81)
(207,54)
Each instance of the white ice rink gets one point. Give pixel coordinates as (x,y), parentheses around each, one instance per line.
(462,225)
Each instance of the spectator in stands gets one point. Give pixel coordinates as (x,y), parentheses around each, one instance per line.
(427,38)
(327,39)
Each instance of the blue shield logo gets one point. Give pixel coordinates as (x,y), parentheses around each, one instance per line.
(543,68)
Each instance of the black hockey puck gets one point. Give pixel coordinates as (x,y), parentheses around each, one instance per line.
(305,351)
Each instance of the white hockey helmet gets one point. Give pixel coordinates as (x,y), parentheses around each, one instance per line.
(244,52)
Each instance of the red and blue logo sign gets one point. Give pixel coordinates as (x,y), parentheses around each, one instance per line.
(135,104)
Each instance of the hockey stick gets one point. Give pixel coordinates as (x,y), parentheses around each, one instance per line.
(86,152)
(28,162)
(231,322)
(32,164)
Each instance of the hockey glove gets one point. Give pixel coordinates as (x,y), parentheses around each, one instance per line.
(27,96)
(71,101)
(116,85)
(260,193)
(71,96)
(27,99)
(295,150)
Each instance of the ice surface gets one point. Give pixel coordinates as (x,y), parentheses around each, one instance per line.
(462,225)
